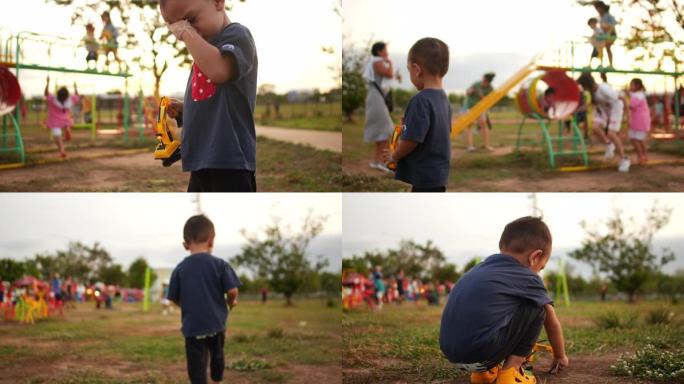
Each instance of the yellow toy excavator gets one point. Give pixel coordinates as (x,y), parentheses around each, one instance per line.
(168,135)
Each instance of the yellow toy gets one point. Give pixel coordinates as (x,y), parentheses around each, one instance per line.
(393,143)
(168,135)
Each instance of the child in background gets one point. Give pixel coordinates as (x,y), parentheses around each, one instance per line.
(608,110)
(596,41)
(109,35)
(423,154)
(91,45)
(58,114)
(495,312)
(219,138)
(639,118)
(204,286)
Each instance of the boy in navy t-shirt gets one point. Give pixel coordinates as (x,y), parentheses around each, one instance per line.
(218,145)
(495,312)
(202,285)
(423,154)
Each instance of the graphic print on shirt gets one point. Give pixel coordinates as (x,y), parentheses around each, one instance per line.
(202,87)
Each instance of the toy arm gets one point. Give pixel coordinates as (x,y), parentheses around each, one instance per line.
(403,148)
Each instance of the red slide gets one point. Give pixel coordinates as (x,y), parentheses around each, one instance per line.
(10,91)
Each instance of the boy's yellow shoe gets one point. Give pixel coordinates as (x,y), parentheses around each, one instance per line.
(486,377)
(514,375)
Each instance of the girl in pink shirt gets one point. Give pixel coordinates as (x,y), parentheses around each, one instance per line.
(639,118)
(58,114)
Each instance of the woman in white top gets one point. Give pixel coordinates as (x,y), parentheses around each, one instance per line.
(608,110)
(379,125)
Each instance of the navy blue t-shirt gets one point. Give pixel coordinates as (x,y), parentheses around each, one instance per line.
(218,124)
(199,283)
(483,302)
(427,121)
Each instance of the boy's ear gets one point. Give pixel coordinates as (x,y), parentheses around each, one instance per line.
(535,257)
(210,242)
(185,245)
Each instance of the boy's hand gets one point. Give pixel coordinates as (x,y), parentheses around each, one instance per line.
(174,108)
(387,156)
(232,304)
(179,28)
(558,364)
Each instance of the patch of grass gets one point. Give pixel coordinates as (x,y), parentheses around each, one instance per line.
(652,363)
(276,333)
(249,365)
(616,320)
(660,316)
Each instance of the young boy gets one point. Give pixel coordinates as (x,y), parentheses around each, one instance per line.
(202,285)
(423,154)
(495,312)
(219,141)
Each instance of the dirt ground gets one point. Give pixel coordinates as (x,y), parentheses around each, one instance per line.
(583,369)
(665,173)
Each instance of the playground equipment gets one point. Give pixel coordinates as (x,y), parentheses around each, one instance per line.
(356,289)
(12,55)
(10,94)
(168,136)
(552,68)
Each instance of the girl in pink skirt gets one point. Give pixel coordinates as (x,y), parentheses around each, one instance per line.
(639,118)
(58,114)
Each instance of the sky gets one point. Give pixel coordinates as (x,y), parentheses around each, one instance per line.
(483,35)
(465,225)
(289,36)
(130,225)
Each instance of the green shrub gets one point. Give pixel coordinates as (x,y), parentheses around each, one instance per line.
(276,333)
(616,320)
(660,316)
(652,363)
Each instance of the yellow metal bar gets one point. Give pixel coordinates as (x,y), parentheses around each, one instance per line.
(463,121)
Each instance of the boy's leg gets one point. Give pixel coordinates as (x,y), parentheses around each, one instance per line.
(230,180)
(518,338)
(429,189)
(217,359)
(196,356)
(198,181)
(613,136)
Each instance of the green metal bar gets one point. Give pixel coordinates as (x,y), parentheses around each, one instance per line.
(611,70)
(4,132)
(549,145)
(517,141)
(560,136)
(71,70)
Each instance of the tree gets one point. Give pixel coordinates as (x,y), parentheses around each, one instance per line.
(77,260)
(331,282)
(11,270)
(470,264)
(353,84)
(136,274)
(161,47)
(623,251)
(281,257)
(655,29)
(112,274)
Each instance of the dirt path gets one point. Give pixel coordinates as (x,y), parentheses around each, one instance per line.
(331,141)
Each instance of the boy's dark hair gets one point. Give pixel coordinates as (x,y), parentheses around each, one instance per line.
(592,20)
(377,47)
(601,5)
(432,54)
(586,80)
(549,91)
(489,76)
(198,229)
(62,94)
(525,234)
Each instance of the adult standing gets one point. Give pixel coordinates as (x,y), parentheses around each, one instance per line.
(608,24)
(379,125)
(474,94)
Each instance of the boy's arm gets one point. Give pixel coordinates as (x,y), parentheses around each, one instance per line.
(232,297)
(403,149)
(217,67)
(555,333)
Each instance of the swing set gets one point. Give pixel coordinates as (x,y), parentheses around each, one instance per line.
(13,52)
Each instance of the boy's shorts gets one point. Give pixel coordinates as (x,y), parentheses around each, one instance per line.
(428,189)
(222,180)
(196,349)
(56,132)
(517,338)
